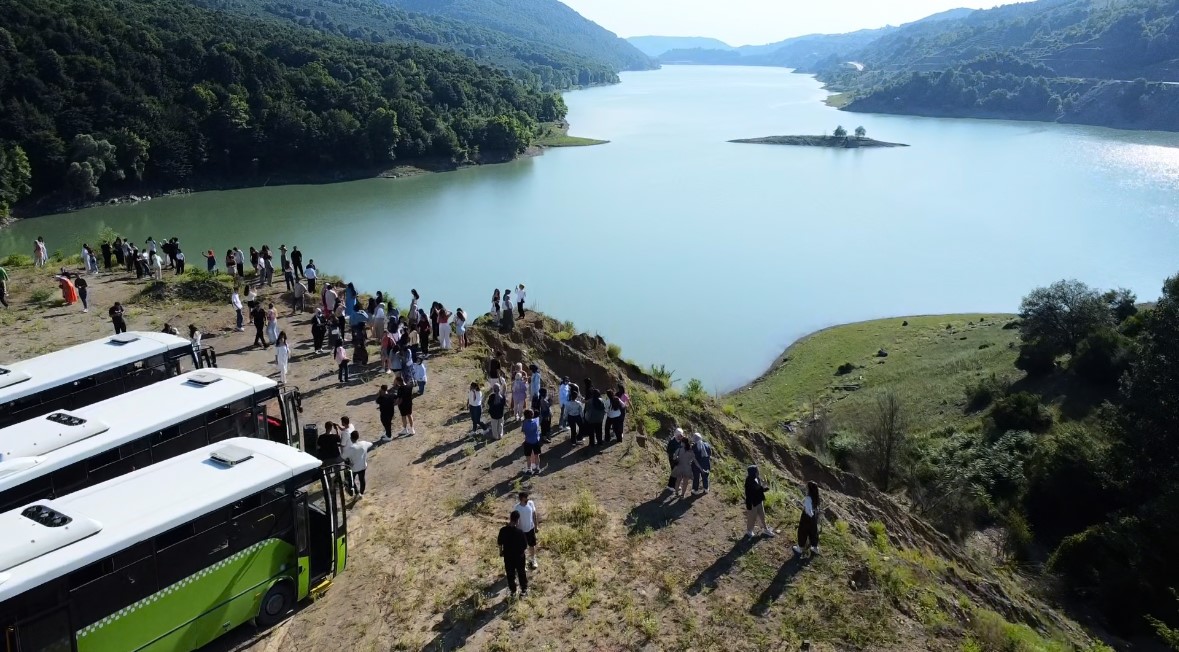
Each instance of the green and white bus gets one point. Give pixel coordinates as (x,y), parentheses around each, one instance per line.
(64,451)
(95,371)
(170,557)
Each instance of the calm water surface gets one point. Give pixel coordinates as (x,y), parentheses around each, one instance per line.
(711,257)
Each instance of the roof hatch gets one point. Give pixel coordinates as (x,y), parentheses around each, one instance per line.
(124,338)
(203,378)
(38,530)
(231,455)
(47,434)
(10,377)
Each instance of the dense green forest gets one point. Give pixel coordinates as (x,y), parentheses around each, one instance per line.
(537,65)
(103,96)
(547,22)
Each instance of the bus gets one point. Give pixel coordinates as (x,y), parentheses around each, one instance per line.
(88,373)
(67,450)
(170,557)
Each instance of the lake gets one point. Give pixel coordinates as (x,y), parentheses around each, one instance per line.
(712,257)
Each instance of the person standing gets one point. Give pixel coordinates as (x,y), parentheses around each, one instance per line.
(157,266)
(355,455)
(116,314)
(505,321)
(534,382)
(405,405)
(297,262)
(386,410)
(613,416)
(543,408)
(235,300)
(673,444)
(40,252)
(520,301)
(532,446)
(83,289)
(311,274)
(755,508)
(495,307)
(318,330)
(496,406)
(378,320)
(282,357)
(529,520)
(460,327)
(272,324)
(3,287)
(107,254)
(573,411)
(118,251)
(808,521)
(239,262)
(329,445)
(258,316)
(512,546)
(282,258)
(342,360)
(475,407)
(419,374)
(595,418)
(211,262)
(519,395)
(685,459)
(443,327)
(179,258)
(703,466)
(562,399)
(288,275)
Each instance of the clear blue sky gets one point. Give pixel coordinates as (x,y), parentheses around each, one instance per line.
(745,22)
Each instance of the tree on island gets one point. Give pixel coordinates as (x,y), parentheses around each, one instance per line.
(840,132)
(861,132)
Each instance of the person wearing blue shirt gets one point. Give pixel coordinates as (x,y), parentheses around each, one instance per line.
(534,385)
(531,429)
(562,399)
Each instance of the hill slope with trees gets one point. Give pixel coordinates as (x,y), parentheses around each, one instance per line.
(548,22)
(107,96)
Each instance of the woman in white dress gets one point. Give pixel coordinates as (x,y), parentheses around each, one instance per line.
(282,357)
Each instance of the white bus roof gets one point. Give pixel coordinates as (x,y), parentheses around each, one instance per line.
(111,516)
(21,379)
(32,448)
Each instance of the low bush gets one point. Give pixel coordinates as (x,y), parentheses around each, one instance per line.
(694,391)
(1020,411)
(40,295)
(1036,359)
(1102,357)
(16,260)
(845,369)
(614,351)
(981,394)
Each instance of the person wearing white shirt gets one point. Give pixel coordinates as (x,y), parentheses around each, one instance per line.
(236,301)
(355,455)
(475,407)
(419,374)
(562,398)
(311,273)
(520,298)
(528,522)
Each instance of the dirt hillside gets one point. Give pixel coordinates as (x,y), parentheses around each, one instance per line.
(622,566)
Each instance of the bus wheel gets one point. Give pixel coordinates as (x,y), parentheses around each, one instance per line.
(277,602)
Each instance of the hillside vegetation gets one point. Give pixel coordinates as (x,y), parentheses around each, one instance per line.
(540,65)
(548,22)
(101,96)
(1052,428)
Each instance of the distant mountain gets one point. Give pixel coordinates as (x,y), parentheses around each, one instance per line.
(654,46)
(546,22)
(536,65)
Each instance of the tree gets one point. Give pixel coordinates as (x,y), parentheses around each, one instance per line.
(840,132)
(887,439)
(1122,303)
(861,132)
(1059,316)
(15,176)
(504,134)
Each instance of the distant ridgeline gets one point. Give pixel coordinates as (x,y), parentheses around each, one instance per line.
(1054,60)
(109,96)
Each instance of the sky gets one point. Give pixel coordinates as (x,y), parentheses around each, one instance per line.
(756,22)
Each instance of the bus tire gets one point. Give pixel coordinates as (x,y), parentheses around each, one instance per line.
(276,604)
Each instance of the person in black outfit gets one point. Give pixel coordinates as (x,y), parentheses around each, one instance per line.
(83,293)
(106,254)
(318,330)
(329,444)
(297,263)
(387,409)
(512,545)
(116,313)
(258,316)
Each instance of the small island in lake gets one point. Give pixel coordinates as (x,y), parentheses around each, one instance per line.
(839,139)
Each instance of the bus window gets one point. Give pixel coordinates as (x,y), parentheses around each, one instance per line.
(49,632)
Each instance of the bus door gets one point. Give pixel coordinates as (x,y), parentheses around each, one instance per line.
(319,517)
(291,404)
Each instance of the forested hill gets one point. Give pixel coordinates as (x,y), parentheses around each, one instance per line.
(103,96)
(538,65)
(1078,61)
(655,46)
(549,22)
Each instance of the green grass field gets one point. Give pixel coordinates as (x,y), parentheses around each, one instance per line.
(930,361)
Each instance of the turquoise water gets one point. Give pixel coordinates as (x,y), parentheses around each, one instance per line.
(711,257)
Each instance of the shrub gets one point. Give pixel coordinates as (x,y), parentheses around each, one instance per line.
(1020,411)
(694,391)
(1036,359)
(730,410)
(845,369)
(1102,357)
(981,394)
(563,336)
(1018,534)
(40,295)
(845,448)
(614,351)
(661,374)
(1133,325)
(16,260)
